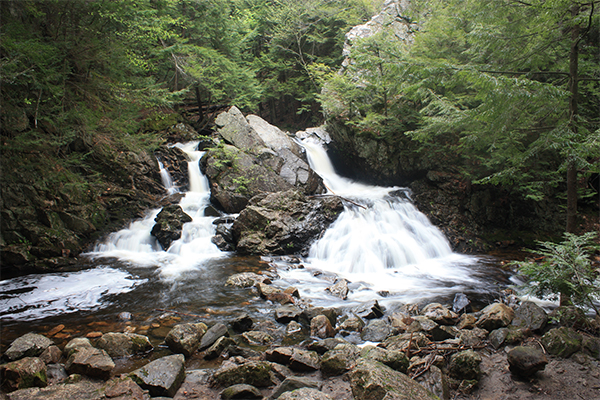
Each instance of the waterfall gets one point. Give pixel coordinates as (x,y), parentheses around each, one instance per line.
(136,245)
(165,177)
(386,248)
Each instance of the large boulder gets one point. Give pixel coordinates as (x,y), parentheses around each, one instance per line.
(283,223)
(28,345)
(256,158)
(372,380)
(562,342)
(169,223)
(494,316)
(530,316)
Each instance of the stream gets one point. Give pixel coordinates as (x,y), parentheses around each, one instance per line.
(385,248)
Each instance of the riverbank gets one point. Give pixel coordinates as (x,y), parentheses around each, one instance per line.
(426,351)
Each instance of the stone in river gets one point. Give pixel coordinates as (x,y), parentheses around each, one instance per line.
(28,345)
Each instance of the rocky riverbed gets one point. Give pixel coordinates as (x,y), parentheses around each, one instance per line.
(507,350)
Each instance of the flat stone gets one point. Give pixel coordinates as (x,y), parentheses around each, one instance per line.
(257,338)
(83,390)
(212,334)
(161,377)
(91,362)
(287,313)
(305,361)
(28,345)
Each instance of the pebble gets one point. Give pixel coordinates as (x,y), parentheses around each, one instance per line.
(94,335)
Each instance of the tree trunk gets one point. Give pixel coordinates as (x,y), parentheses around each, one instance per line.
(573,110)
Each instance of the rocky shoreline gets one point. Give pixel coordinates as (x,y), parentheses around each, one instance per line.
(303,352)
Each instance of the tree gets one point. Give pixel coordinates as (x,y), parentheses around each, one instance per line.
(500,85)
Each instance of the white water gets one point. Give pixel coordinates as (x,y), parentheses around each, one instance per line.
(166,179)
(386,247)
(136,245)
(41,296)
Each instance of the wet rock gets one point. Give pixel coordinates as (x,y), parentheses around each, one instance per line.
(403,323)
(255,373)
(371,380)
(83,390)
(242,323)
(436,382)
(304,361)
(530,316)
(124,344)
(241,391)
(439,314)
(352,324)
(168,225)
(497,337)
(285,222)
(436,331)
(304,394)
(526,361)
(184,338)
(280,355)
(218,347)
(466,321)
(51,355)
(402,341)
(75,344)
(257,338)
(495,316)
(323,346)
(339,289)
(472,337)
(465,365)
(89,361)
(124,389)
(161,377)
(321,327)
(394,359)
(461,303)
(212,334)
(28,345)
(265,291)
(246,279)
(377,330)
(371,311)
(287,313)
(24,373)
(56,373)
(295,382)
(292,328)
(339,360)
(561,342)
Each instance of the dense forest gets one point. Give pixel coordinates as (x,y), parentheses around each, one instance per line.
(507,92)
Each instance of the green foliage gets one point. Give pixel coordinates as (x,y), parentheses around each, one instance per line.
(565,269)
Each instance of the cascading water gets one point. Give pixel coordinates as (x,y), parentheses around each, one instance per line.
(382,244)
(136,244)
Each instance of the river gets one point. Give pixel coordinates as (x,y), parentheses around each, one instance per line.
(385,248)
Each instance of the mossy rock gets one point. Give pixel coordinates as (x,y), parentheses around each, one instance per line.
(562,342)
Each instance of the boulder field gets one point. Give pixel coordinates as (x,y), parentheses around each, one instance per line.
(302,352)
